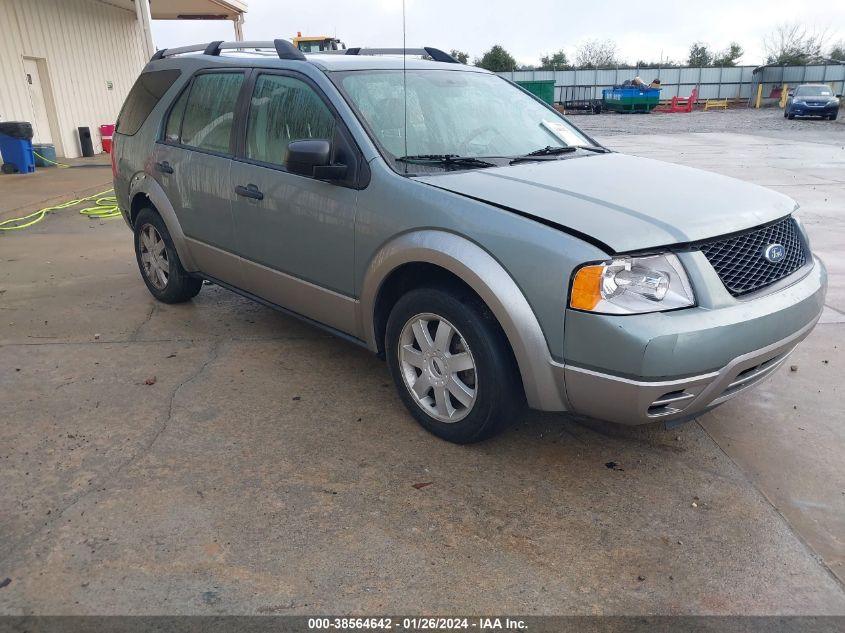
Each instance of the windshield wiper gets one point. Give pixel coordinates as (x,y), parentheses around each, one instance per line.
(537,154)
(594,148)
(548,150)
(446,159)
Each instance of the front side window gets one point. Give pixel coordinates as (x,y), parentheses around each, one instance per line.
(454,112)
(284,109)
(210,111)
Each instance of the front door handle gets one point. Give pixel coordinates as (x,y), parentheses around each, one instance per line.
(250,191)
(164,167)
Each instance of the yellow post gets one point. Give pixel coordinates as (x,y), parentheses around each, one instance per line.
(759,95)
(784,91)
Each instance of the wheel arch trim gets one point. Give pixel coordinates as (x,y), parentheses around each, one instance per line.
(486,276)
(144,184)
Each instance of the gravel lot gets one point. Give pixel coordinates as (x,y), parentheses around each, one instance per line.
(765,122)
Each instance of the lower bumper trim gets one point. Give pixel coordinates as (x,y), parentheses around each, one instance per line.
(628,401)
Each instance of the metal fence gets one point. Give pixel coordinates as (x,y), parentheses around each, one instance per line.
(713,83)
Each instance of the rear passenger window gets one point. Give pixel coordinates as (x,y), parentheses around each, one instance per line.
(210,111)
(145,94)
(284,109)
(174,120)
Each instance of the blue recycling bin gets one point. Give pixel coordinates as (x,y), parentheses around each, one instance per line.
(45,154)
(17,155)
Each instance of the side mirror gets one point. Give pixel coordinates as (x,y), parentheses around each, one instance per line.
(838,96)
(312,158)
(791,93)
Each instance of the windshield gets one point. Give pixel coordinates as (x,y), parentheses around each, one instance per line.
(814,91)
(454,113)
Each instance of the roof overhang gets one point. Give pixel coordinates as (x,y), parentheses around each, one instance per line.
(188,9)
(197,9)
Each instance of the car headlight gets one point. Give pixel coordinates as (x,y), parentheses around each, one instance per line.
(632,285)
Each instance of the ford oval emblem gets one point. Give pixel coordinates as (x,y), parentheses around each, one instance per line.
(774,253)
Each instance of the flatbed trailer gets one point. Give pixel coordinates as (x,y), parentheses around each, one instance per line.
(580,99)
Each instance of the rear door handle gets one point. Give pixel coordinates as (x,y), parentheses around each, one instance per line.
(164,167)
(250,191)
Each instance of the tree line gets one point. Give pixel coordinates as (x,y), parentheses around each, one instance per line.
(787,44)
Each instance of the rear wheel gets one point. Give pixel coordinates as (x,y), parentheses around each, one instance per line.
(452,365)
(158,261)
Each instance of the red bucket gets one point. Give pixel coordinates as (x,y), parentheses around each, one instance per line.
(106,133)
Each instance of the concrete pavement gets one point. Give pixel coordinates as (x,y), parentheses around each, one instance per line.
(788,435)
(23,193)
(218,457)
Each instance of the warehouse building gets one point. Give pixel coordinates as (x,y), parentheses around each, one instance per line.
(66,64)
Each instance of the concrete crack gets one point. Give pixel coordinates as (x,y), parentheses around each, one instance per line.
(213,354)
(98,485)
(137,331)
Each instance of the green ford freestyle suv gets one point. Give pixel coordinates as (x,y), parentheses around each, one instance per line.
(449,221)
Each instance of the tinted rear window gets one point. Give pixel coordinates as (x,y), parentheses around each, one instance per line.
(143,97)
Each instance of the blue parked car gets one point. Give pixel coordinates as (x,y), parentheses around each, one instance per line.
(812,100)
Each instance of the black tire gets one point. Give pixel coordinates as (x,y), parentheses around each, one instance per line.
(179,285)
(833,116)
(790,116)
(9,168)
(498,394)
(785,114)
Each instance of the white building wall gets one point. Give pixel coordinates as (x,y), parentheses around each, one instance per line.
(82,45)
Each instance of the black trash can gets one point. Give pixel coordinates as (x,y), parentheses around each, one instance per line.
(85,142)
(16,129)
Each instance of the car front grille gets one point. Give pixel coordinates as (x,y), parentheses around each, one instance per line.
(740,260)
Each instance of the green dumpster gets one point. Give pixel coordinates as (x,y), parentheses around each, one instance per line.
(544,89)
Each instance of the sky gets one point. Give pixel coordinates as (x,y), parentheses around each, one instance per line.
(528,29)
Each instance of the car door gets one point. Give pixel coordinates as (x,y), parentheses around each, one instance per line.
(295,233)
(193,164)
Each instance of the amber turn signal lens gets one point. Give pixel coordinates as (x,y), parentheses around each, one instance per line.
(586,288)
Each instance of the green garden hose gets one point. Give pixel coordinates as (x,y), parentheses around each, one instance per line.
(105,208)
(47,160)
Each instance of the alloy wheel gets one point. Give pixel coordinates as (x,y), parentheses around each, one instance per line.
(438,367)
(154,257)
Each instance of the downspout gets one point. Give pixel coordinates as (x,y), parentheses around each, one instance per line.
(239,27)
(142,11)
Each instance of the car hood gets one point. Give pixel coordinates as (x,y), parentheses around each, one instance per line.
(624,202)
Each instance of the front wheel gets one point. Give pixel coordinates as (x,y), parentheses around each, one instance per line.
(159,263)
(833,116)
(452,365)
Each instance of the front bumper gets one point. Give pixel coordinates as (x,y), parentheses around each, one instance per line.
(747,341)
(808,110)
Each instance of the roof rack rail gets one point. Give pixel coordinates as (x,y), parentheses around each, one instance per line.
(284,49)
(435,53)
